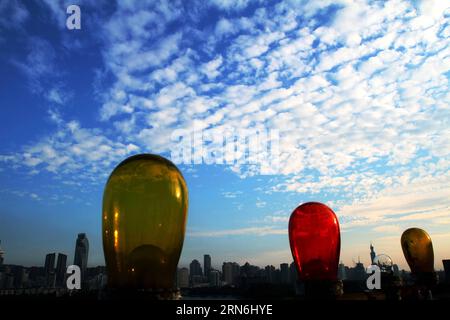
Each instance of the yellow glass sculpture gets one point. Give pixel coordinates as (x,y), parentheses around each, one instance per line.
(144,217)
(418,250)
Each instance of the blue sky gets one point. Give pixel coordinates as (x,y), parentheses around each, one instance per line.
(357,90)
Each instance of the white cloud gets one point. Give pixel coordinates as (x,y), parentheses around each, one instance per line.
(338,106)
(210,69)
(231,4)
(34,196)
(384,229)
(258,231)
(231,194)
(260,204)
(225,27)
(409,199)
(279,218)
(74,149)
(434,9)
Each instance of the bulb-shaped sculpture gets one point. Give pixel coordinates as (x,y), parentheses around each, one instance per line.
(418,250)
(315,242)
(145,205)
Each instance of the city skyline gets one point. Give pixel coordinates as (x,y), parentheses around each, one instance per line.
(213,266)
(230,274)
(239,278)
(355,93)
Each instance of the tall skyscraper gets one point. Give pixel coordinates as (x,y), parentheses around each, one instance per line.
(342,274)
(20,276)
(372,254)
(214,278)
(446,263)
(183,278)
(61,265)
(49,265)
(227,271)
(231,272)
(195,269)
(49,269)
(270,271)
(81,254)
(293,273)
(207,265)
(195,273)
(284,269)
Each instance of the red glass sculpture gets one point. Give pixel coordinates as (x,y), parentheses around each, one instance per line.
(315,241)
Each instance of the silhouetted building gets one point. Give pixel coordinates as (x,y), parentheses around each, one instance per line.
(284,273)
(270,274)
(95,271)
(230,272)
(248,275)
(195,268)
(8,281)
(248,271)
(358,273)
(214,278)
(2,254)
(396,270)
(49,269)
(81,254)
(277,276)
(36,275)
(49,265)
(20,276)
(372,254)
(446,263)
(61,266)
(294,274)
(183,278)
(96,277)
(342,274)
(207,264)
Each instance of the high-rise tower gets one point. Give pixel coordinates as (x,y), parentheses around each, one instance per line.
(49,269)
(207,264)
(60,271)
(81,254)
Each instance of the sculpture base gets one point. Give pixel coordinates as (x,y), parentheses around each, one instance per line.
(424,285)
(428,279)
